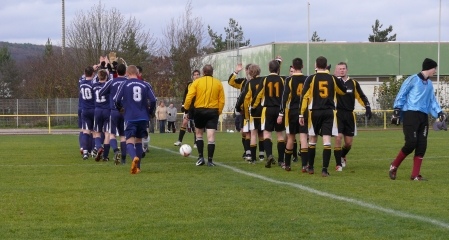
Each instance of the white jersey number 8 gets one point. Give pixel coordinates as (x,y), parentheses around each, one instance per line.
(137,94)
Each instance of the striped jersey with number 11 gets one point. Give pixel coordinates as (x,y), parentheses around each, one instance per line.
(270,93)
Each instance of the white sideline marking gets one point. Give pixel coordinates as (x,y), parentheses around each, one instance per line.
(329,195)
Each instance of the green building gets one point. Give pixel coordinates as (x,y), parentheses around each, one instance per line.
(369,63)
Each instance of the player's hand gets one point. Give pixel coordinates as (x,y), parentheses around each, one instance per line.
(301,121)
(279,120)
(442,116)
(368,112)
(238,68)
(112,57)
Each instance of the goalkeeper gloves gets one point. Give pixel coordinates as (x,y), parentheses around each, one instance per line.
(442,116)
(368,113)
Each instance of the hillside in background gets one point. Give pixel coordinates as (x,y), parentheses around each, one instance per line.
(22,51)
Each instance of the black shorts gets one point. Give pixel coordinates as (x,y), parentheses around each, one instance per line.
(346,123)
(269,120)
(191,113)
(322,122)
(255,123)
(292,121)
(206,118)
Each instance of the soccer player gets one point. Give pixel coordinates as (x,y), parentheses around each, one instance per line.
(87,101)
(117,123)
(209,103)
(132,97)
(185,121)
(269,95)
(415,100)
(345,114)
(290,113)
(101,116)
(253,116)
(319,96)
(240,83)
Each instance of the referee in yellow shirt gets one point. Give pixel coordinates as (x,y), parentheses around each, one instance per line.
(209,102)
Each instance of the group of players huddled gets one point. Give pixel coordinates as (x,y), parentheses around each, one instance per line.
(110,95)
(320,104)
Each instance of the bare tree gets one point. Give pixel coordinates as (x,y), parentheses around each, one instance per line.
(99,31)
(51,76)
(184,43)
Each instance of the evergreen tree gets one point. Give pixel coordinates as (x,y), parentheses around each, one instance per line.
(381,35)
(316,38)
(9,77)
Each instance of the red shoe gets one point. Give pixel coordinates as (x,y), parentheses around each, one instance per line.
(393,171)
(99,154)
(304,169)
(310,170)
(418,178)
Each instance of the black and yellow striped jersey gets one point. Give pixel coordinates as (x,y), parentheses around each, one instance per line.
(269,93)
(320,92)
(248,94)
(353,92)
(235,82)
(291,98)
(185,95)
(242,103)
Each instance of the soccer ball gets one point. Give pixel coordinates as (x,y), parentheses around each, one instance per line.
(185,150)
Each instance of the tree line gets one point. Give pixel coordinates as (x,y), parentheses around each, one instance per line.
(167,62)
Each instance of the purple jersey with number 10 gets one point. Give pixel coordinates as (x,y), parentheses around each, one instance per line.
(87,99)
(133,95)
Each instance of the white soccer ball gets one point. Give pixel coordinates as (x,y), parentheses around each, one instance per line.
(185,150)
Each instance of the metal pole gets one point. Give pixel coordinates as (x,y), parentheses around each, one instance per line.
(438,60)
(308,35)
(63,27)
(17,111)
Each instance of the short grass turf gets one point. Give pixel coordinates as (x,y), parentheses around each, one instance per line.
(48,192)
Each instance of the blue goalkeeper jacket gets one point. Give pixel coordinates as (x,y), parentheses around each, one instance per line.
(417,94)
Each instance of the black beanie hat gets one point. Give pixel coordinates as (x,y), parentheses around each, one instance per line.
(428,64)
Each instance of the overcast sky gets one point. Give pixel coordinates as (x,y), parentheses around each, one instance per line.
(263,21)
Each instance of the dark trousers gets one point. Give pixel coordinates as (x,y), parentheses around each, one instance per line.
(162,125)
(171,127)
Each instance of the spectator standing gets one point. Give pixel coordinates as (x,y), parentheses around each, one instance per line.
(171,118)
(161,115)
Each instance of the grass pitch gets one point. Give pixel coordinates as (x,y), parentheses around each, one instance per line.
(48,192)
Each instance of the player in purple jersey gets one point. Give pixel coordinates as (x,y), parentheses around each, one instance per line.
(116,121)
(87,101)
(80,109)
(102,114)
(132,97)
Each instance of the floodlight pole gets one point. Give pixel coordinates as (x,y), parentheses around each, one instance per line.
(63,28)
(438,69)
(308,36)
